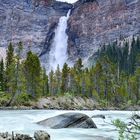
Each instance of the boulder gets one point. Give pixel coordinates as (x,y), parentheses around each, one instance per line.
(98,116)
(41,135)
(22,137)
(69,120)
(5,136)
(136,116)
(1,138)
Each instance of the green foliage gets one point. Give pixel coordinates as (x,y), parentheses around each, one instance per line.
(103,103)
(32,71)
(23,99)
(2,75)
(129,131)
(113,80)
(69,95)
(125,59)
(4,98)
(138,102)
(65,72)
(10,55)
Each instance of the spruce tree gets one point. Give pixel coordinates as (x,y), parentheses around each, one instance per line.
(45,83)
(32,72)
(10,69)
(9,55)
(65,73)
(2,76)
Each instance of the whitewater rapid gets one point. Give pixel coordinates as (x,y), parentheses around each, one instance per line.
(25,122)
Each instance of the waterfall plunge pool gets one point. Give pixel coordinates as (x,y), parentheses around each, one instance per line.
(24,121)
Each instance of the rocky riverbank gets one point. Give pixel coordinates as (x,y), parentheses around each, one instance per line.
(38,135)
(67,103)
(70,103)
(79,103)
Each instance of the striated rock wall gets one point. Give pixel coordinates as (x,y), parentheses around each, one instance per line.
(30,21)
(93,24)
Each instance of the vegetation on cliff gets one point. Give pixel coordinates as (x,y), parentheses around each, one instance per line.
(113,80)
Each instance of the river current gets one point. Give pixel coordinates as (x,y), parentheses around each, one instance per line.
(24,121)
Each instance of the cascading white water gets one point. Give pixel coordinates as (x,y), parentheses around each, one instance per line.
(58,52)
(2,53)
(24,121)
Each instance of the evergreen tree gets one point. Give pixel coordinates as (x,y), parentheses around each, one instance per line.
(18,70)
(78,65)
(10,70)
(9,56)
(65,74)
(58,80)
(51,82)
(45,83)
(32,72)
(2,76)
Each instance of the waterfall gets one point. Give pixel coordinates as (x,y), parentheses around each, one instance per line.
(58,52)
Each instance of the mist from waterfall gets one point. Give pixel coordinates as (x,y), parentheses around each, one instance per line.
(58,52)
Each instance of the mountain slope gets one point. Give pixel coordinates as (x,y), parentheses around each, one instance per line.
(93,24)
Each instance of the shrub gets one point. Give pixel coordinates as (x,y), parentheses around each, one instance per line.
(4,98)
(23,99)
(129,131)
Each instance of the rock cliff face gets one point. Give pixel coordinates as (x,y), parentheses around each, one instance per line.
(92,23)
(30,21)
(97,22)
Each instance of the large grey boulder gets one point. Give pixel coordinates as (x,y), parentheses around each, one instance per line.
(41,135)
(69,120)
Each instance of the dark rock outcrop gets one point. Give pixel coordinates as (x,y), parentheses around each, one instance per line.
(98,116)
(94,23)
(69,120)
(62,7)
(136,116)
(31,21)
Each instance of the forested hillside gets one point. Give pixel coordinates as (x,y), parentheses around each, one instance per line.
(113,80)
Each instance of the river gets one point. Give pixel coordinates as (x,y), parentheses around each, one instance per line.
(24,121)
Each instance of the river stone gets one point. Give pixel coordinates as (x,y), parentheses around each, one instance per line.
(98,116)
(23,137)
(1,138)
(69,120)
(41,135)
(101,138)
(5,136)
